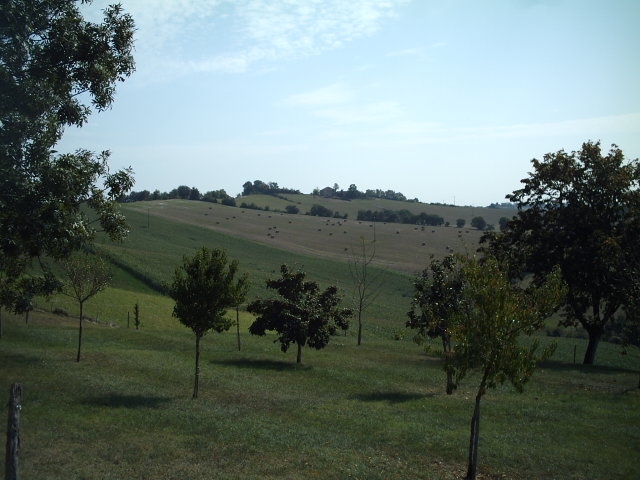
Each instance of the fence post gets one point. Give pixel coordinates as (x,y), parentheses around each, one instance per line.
(13,432)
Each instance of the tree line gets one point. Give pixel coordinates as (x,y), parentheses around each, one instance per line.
(400,216)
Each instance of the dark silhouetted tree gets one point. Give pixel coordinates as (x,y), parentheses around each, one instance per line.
(301,313)
(581,211)
(436,303)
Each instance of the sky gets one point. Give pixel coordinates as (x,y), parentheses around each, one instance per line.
(444,101)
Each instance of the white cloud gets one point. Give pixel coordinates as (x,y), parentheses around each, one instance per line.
(334,94)
(232,35)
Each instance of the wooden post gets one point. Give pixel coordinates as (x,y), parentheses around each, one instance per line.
(13,432)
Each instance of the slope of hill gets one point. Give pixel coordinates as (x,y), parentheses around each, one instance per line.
(402,247)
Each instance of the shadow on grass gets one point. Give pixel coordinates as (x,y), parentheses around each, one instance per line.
(258,364)
(391,397)
(116,400)
(579,367)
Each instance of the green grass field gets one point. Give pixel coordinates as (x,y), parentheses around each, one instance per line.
(377,411)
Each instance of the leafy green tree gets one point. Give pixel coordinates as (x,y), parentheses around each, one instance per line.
(460,222)
(87,275)
(301,313)
(436,304)
(320,211)
(487,338)
(203,288)
(55,67)
(479,223)
(581,211)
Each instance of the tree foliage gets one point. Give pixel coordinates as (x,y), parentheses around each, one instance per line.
(55,67)
(487,336)
(581,211)
(301,313)
(203,288)
(436,303)
(87,275)
(479,223)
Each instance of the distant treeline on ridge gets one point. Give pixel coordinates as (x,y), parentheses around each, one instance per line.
(258,187)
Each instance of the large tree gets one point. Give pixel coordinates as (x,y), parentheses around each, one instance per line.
(487,337)
(301,313)
(55,67)
(203,288)
(581,211)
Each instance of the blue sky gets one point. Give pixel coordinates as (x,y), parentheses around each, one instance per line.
(446,101)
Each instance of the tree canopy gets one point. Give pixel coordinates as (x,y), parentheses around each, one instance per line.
(581,211)
(437,301)
(301,313)
(487,335)
(87,275)
(203,288)
(55,67)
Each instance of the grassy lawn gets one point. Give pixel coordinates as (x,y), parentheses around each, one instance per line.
(378,411)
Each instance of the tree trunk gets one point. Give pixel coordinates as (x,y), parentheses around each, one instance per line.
(0,322)
(196,381)
(473,441)
(299,358)
(79,334)
(360,327)
(13,433)
(592,347)
(238,325)
(446,347)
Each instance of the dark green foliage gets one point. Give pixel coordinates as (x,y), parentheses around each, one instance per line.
(300,314)
(581,211)
(400,216)
(479,223)
(136,315)
(436,303)
(54,68)
(203,288)
(292,209)
(320,211)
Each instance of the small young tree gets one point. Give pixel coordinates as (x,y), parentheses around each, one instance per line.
(238,296)
(366,285)
(488,336)
(435,305)
(87,275)
(301,314)
(202,289)
(136,315)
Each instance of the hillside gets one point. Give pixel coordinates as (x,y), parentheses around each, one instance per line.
(402,247)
